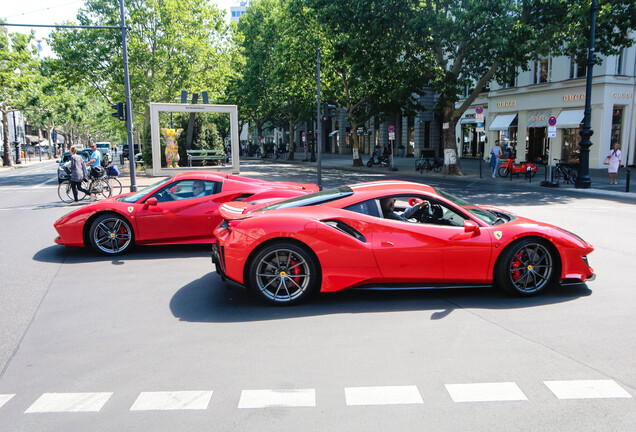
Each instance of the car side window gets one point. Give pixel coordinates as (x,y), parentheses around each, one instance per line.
(369,207)
(186,189)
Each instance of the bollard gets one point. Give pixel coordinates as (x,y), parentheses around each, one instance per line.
(627,180)
(480,158)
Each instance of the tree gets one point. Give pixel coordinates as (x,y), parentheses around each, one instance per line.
(173,45)
(477,41)
(369,64)
(19,77)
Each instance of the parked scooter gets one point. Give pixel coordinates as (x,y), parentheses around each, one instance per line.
(382,159)
(507,167)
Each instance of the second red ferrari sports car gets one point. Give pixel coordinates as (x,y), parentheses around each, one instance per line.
(386,235)
(178,209)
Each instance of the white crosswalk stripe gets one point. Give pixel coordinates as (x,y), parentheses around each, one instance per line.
(4,398)
(587,389)
(176,400)
(485,392)
(388,395)
(69,402)
(278,398)
(354,396)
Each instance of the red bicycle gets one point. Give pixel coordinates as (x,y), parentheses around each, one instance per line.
(507,167)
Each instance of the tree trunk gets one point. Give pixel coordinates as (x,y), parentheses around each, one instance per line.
(291,140)
(357,158)
(451,161)
(6,155)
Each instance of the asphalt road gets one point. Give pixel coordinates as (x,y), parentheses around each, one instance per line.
(154,341)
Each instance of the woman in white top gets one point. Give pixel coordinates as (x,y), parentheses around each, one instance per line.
(614,163)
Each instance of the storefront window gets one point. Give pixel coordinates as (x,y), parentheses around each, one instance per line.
(617,127)
(570,150)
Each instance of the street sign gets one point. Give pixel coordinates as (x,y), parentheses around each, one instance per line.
(479,109)
(391,129)
(551,128)
(480,127)
(551,134)
(479,118)
(391,135)
(552,121)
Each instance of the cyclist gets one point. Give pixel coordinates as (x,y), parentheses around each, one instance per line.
(96,156)
(78,173)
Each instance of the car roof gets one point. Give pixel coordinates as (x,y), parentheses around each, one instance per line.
(390,187)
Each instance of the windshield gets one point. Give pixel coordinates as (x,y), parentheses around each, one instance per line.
(139,194)
(489,217)
(311,199)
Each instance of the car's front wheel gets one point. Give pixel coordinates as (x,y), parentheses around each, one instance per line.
(527,267)
(111,234)
(283,274)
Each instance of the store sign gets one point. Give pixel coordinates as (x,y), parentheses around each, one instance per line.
(538,118)
(574,97)
(507,104)
(622,95)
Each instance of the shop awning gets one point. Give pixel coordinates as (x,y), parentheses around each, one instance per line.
(570,119)
(502,122)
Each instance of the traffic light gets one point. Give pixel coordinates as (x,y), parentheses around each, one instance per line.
(328,111)
(119,111)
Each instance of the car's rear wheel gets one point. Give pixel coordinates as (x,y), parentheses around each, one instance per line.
(527,267)
(111,234)
(283,274)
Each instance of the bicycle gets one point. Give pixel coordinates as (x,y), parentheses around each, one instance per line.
(566,171)
(115,185)
(97,186)
(428,164)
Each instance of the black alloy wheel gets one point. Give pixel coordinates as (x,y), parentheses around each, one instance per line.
(527,267)
(111,234)
(283,274)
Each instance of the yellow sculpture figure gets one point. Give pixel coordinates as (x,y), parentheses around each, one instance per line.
(172,149)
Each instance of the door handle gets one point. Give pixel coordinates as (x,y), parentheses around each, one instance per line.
(386,244)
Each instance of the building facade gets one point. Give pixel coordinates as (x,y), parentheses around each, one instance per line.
(517,113)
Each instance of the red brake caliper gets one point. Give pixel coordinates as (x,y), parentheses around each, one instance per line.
(516,264)
(295,270)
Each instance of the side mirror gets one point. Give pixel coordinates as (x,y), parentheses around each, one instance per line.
(150,202)
(471,227)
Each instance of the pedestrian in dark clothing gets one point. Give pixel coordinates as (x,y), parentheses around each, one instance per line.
(78,173)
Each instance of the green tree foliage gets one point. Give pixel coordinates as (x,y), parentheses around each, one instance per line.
(173,45)
(369,65)
(19,78)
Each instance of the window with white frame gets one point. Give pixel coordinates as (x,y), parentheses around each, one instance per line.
(620,60)
(542,70)
(578,67)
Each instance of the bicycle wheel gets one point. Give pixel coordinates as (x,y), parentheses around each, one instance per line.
(65,192)
(437,168)
(115,185)
(556,174)
(101,189)
(574,174)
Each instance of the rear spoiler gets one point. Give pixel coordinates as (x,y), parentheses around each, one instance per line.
(234,210)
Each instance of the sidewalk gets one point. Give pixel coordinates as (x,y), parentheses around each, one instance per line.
(470,168)
(406,167)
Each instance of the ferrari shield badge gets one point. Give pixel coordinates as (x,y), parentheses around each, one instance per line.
(130,210)
(498,235)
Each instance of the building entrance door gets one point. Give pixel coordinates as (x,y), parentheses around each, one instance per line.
(537,144)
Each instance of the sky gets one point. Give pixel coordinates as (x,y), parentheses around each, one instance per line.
(55,11)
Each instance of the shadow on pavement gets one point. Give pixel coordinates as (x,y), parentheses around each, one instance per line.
(61,254)
(208,300)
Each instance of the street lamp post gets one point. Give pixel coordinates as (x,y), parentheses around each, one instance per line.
(584,181)
(16,142)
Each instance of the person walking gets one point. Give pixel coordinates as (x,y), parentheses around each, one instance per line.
(78,173)
(495,154)
(614,164)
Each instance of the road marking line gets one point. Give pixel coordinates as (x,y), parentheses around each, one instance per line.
(587,389)
(69,402)
(175,400)
(4,398)
(278,398)
(387,395)
(485,392)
